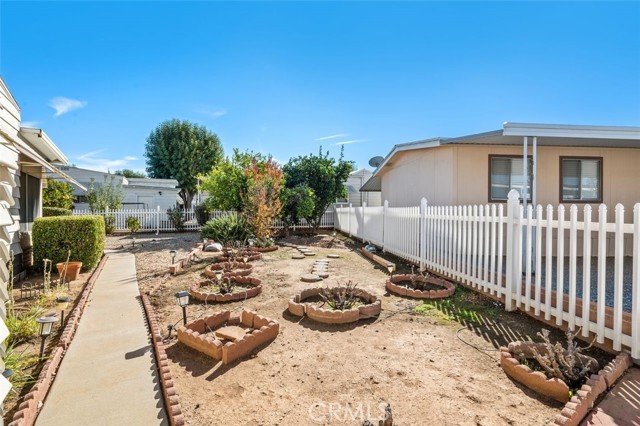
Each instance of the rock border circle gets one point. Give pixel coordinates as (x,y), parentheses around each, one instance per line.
(448,290)
(298,307)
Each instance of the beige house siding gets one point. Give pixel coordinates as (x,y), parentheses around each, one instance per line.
(459,175)
(421,173)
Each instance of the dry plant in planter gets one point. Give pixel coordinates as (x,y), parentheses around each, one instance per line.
(549,368)
(341,298)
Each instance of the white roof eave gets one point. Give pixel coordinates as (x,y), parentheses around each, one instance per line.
(570,131)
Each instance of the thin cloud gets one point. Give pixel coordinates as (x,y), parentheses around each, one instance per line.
(64,105)
(215,114)
(349,142)
(94,161)
(336,136)
(30,124)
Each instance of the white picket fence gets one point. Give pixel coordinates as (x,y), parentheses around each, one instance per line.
(501,254)
(157,220)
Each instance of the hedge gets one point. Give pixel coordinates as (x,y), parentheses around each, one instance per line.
(54,236)
(55,211)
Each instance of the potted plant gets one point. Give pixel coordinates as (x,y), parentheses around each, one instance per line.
(69,271)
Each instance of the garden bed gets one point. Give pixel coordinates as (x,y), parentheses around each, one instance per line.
(420,287)
(227,338)
(228,269)
(209,291)
(410,359)
(308,303)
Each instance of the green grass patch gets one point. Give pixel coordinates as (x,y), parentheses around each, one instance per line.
(464,306)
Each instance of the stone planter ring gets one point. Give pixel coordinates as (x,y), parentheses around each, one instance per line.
(370,308)
(448,288)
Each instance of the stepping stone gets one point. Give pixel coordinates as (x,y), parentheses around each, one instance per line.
(323,260)
(309,253)
(304,250)
(333,256)
(302,247)
(298,256)
(232,332)
(323,274)
(310,278)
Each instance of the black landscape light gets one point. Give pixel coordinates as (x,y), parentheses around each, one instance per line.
(218,275)
(133,241)
(62,302)
(173,256)
(182,299)
(46,325)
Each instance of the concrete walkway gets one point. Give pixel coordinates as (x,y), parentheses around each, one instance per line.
(621,406)
(108,376)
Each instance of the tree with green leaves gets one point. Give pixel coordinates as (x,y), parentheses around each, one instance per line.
(130,173)
(249,183)
(226,182)
(182,150)
(58,194)
(323,175)
(108,195)
(297,203)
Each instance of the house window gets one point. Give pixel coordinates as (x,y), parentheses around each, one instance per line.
(581,179)
(29,198)
(506,174)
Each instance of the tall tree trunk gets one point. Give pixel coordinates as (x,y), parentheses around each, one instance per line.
(187,198)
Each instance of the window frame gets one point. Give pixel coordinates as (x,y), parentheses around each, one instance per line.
(530,171)
(561,178)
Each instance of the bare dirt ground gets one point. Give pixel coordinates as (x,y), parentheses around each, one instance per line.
(436,365)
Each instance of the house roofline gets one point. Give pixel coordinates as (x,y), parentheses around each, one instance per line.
(512,129)
(41,142)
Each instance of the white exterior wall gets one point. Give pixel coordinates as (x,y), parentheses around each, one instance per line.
(355,181)
(9,213)
(137,193)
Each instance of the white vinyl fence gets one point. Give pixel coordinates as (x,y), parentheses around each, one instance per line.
(157,220)
(501,253)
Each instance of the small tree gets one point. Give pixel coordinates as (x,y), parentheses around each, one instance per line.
(108,195)
(182,150)
(58,194)
(262,197)
(323,175)
(133,223)
(226,182)
(297,203)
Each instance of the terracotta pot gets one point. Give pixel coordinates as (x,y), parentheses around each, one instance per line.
(73,270)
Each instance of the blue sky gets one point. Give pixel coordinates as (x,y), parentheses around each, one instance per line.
(285,77)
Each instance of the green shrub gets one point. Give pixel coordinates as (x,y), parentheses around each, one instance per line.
(20,362)
(53,237)
(55,211)
(203,214)
(22,325)
(133,223)
(226,229)
(176,217)
(109,224)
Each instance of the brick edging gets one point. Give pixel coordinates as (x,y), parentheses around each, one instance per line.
(28,409)
(169,393)
(583,401)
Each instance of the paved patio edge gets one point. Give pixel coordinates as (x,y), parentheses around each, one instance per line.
(169,392)
(29,408)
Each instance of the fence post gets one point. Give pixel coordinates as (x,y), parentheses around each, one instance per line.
(423,233)
(157,220)
(635,291)
(384,215)
(350,213)
(364,209)
(513,205)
